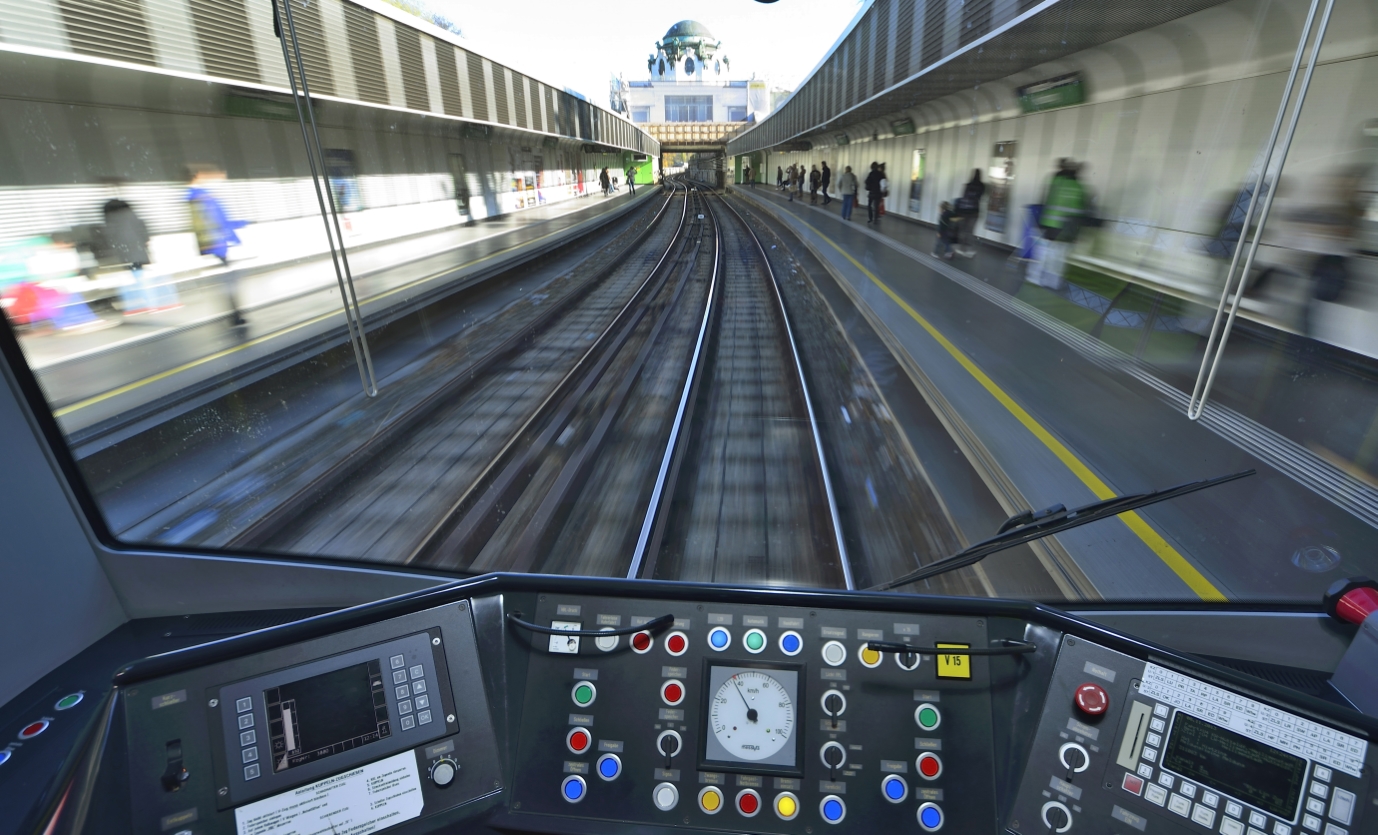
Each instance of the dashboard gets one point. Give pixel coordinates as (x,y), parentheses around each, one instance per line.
(572,705)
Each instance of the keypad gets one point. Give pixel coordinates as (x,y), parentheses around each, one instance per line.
(423,702)
(418,686)
(417,671)
(251,771)
(403,691)
(1230,826)
(423,717)
(408,722)
(399,676)
(404,706)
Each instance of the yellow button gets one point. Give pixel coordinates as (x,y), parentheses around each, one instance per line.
(869,656)
(785,806)
(711,800)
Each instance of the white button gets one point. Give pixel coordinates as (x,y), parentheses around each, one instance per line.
(834,653)
(1311,822)
(1179,804)
(1253,831)
(1211,799)
(246,720)
(1154,740)
(1157,725)
(417,671)
(398,661)
(1319,789)
(1332,829)
(1314,805)
(1342,806)
(1203,816)
(1257,819)
(423,717)
(249,755)
(1155,794)
(403,691)
(1165,779)
(607,644)
(404,706)
(1160,710)
(666,796)
(399,676)
(1233,809)
(423,702)
(248,737)
(241,705)
(1146,771)
(1281,829)
(408,722)
(418,686)
(1151,754)
(251,771)
(1320,772)
(1231,827)
(1188,789)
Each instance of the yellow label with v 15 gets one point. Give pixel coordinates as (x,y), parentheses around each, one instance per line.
(954,666)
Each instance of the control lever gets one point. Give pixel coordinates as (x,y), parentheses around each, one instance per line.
(176,774)
(832,705)
(669,744)
(834,755)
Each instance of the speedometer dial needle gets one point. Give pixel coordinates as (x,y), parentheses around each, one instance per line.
(750,711)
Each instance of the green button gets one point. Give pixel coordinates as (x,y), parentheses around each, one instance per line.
(583,694)
(755,640)
(68,701)
(928,718)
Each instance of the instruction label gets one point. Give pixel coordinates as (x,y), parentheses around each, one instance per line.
(954,666)
(357,802)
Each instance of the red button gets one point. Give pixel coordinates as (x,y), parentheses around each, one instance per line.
(641,641)
(930,766)
(578,740)
(33,730)
(748,804)
(676,644)
(1132,783)
(1091,699)
(672,692)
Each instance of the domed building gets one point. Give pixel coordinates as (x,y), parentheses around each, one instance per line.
(691,80)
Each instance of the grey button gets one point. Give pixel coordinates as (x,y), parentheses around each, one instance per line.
(1311,822)
(1157,725)
(408,722)
(1231,827)
(1179,804)
(246,720)
(241,705)
(1332,829)
(1151,754)
(1321,773)
(248,737)
(249,755)
(404,706)
(1145,771)
(399,676)
(1319,789)
(251,771)
(1160,710)
(417,671)
(1203,816)
(1281,829)
(1234,809)
(1154,740)
(403,691)
(1211,799)
(423,718)
(398,661)
(418,686)
(1156,795)
(1342,806)
(423,702)
(1165,779)
(1314,805)
(1257,819)
(1188,789)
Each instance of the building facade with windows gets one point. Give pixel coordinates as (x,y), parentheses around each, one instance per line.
(691,80)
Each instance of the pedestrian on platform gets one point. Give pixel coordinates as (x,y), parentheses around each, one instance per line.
(825,182)
(215,232)
(127,237)
(779,176)
(949,228)
(631,179)
(1064,209)
(847,187)
(969,207)
(605,181)
(874,189)
(884,192)
(815,178)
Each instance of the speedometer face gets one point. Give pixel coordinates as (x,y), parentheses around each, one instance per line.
(752,715)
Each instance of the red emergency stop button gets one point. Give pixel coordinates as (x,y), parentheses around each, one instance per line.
(748,803)
(33,729)
(929,765)
(1091,699)
(642,641)
(672,692)
(676,643)
(577,741)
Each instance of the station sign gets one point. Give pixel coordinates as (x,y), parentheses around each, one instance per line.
(903,127)
(1050,94)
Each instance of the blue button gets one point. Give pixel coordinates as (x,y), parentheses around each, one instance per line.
(832,810)
(894,788)
(573,789)
(718,638)
(4,756)
(608,766)
(931,817)
(790,644)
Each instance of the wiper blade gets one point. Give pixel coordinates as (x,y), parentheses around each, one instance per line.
(1031,525)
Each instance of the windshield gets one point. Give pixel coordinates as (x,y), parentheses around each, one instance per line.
(802,293)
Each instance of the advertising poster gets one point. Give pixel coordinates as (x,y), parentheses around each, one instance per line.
(916,181)
(998,185)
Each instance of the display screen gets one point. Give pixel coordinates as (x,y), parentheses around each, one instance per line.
(752,716)
(1235,765)
(326,714)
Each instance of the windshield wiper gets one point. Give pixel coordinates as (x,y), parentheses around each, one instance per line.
(1031,525)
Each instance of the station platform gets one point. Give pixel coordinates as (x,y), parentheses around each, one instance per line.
(99,377)
(1056,408)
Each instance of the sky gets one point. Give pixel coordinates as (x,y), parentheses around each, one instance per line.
(567,43)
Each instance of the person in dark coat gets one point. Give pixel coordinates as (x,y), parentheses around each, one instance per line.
(969,207)
(874,194)
(127,237)
(825,182)
(814,179)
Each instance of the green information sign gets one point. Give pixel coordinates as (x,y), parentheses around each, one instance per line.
(903,127)
(1062,91)
(254,107)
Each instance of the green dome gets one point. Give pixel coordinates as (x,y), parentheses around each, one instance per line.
(689,29)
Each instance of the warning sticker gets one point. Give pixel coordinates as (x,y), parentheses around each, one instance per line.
(357,802)
(954,666)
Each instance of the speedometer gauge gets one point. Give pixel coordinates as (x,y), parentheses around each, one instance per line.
(752,715)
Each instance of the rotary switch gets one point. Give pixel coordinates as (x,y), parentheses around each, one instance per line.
(443,772)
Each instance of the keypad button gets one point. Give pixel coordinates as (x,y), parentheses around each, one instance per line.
(1160,710)
(1211,799)
(1342,806)
(398,661)
(1234,810)
(423,717)
(1314,805)
(399,676)
(404,706)
(418,686)
(1320,789)
(1145,771)
(1156,795)
(251,772)
(402,691)
(246,720)
(1179,805)
(249,755)
(1281,829)
(241,705)
(1332,829)
(1231,827)
(1154,740)
(417,671)
(1188,789)
(1165,779)
(1311,822)
(408,722)
(1257,819)
(248,737)
(1157,725)
(1253,831)
(1321,773)
(1203,816)
(1151,754)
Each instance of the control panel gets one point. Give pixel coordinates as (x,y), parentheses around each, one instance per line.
(1128,746)
(760,719)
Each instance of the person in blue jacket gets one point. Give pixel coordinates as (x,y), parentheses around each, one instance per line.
(215,232)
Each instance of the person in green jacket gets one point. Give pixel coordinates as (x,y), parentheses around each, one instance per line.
(1064,210)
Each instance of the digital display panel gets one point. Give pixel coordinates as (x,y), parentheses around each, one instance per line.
(326,714)
(752,717)
(1235,765)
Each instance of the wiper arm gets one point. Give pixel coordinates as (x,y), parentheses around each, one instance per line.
(1031,525)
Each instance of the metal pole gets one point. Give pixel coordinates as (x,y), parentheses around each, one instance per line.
(1210,362)
(315,157)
